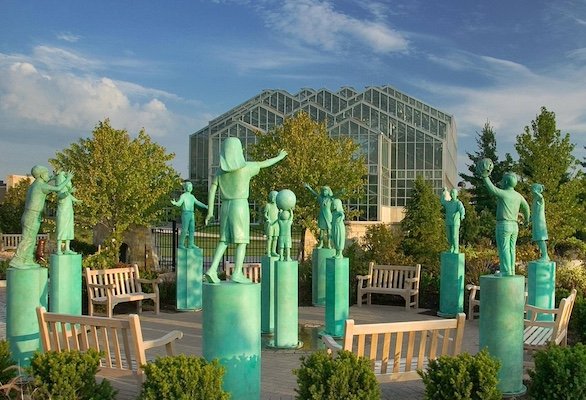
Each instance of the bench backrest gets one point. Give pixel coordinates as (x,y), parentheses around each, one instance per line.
(120,339)
(124,280)
(392,276)
(402,347)
(250,270)
(561,319)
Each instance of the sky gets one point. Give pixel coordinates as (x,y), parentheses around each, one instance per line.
(171,66)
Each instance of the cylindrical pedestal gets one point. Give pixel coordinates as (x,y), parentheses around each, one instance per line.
(502,300)
(231,333)
(188,278)
(267,294)
(65,284)
(286,304)
(318,275)
(451,284)
(541,286)
(337,281)
(26,289)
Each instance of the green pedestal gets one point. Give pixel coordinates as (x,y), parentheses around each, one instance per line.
(451,284)
(26,289)
(267,294)
(501,327)
(189,277)
(541,286)
(318,275)
(65,284)
(337,292)
(231,333)
(286,305)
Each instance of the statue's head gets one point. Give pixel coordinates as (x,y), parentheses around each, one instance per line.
(509,180)
(454,194)
(537,188)
(273,196)
(231,155)
(326,191)
(38,171)
(285,214)
(337,205)
(188,186)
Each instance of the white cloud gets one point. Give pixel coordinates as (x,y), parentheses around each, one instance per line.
(68,37)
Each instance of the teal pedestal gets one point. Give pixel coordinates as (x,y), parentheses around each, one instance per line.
(26,289)
(65,284)
(189,273)
(318,275)
(541,286)
(231,333)
(501,327)
(267,294)
(337,292)
(451,284)
(286,305)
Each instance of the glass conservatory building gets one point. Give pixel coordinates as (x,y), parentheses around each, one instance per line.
(401,137)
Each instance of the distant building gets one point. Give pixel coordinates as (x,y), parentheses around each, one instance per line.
(3,189)
(401,137)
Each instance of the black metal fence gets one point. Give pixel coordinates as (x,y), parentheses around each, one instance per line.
(166,240)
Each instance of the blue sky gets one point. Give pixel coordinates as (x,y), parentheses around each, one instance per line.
(171,66)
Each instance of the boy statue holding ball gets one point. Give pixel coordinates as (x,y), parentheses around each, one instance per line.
(285,201)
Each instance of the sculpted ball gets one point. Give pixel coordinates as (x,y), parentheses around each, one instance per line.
(286,199)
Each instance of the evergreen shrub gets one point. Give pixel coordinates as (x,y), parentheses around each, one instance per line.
(463,377)
(183,378)
(6,361)
(559,373)
(346,376)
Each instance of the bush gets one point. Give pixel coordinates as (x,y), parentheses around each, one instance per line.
(462,377)
(572,248)
(183,378)
(346,376)
(6,362)
(560,373)
(571,275)
(84,248)
(4,265)
(68,375)
(305,284)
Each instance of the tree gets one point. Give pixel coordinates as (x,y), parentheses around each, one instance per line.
(315,158)
(121,181)
(545,156)
(423,226)
(12,207)
(470,228)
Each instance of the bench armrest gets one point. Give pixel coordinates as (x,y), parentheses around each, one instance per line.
(108,287)
(163,340)
(330,343)
(411,280)
(151,281)
(535,311)
(362,278)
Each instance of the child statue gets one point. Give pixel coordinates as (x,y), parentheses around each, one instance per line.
(338,227)
(538,223)
(187,202)
(31,218)
(454,215)
(324,221)
(233,178)
(271,216)
(65,225)
(286,201)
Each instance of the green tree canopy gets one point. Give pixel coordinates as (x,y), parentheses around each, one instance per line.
(12,207)
(121,180)
(423,226)
(545,156)
(314,157)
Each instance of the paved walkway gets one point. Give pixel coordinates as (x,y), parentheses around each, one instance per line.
(278,381)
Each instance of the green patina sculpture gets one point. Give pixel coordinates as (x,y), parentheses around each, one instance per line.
(338,227)
(65,221)
(271,216)
(233,179)
(538,223)
(454,210)
(324,220)
(286,200)
(187,202)
(509,203)
(31,218)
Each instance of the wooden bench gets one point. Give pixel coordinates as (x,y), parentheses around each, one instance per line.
(250,270)
(474,300)
(120,339)
(397,349)
(402,280)
(538,334)
(118,285)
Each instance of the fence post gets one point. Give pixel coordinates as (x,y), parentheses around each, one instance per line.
(174,249)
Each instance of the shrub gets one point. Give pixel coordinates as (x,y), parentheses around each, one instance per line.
(462,377)
(4,265)
(559,373)
(571,275)
(572,248)
(183,378)
(346,376)
(305,284)
(6,362)
(68,375)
